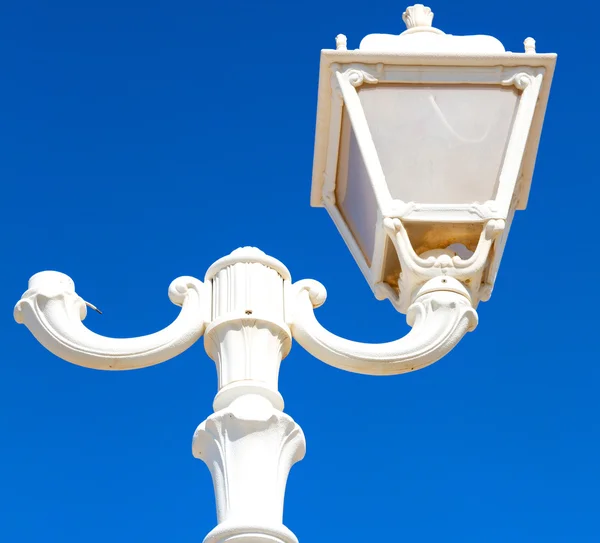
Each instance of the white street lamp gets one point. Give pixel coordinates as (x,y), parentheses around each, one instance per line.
(425,147)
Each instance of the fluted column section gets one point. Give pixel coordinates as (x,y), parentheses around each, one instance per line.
(248,444)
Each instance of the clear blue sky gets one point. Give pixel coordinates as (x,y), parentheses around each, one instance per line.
(141,141)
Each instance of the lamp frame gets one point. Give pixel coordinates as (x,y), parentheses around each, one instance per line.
(343,73)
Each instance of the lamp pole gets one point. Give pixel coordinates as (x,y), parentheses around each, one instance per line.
(248,310)
(434,260)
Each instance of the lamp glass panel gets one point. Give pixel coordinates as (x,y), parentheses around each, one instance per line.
(440,144)
(354,195)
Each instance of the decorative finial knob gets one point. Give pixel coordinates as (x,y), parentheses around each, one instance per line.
(529,45)
(341,42)
(417,16)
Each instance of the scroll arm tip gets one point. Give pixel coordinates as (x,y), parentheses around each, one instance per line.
(93,307)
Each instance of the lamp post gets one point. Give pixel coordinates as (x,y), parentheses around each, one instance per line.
(425,148)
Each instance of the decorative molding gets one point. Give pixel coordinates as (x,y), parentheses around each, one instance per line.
(438,74)
(247,355)
(441,314)
(249,448)
(53,312)
(422,37)
(247,336)
(403,210)
(357,77)
(251,255)
(520,80)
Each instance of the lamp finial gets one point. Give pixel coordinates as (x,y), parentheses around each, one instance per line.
(417,16)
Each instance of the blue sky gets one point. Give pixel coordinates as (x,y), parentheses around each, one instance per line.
(141,141)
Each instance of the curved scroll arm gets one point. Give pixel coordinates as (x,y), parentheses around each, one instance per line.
(440,316)
(53,312)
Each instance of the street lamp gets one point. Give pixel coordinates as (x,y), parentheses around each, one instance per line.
(425,148)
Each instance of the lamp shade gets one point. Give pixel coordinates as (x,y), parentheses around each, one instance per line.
(434,134)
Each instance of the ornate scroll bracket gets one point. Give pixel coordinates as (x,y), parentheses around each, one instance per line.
(520,80)
(53,312)
(440,316)
(467,267)
(357,77)
(255,312)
